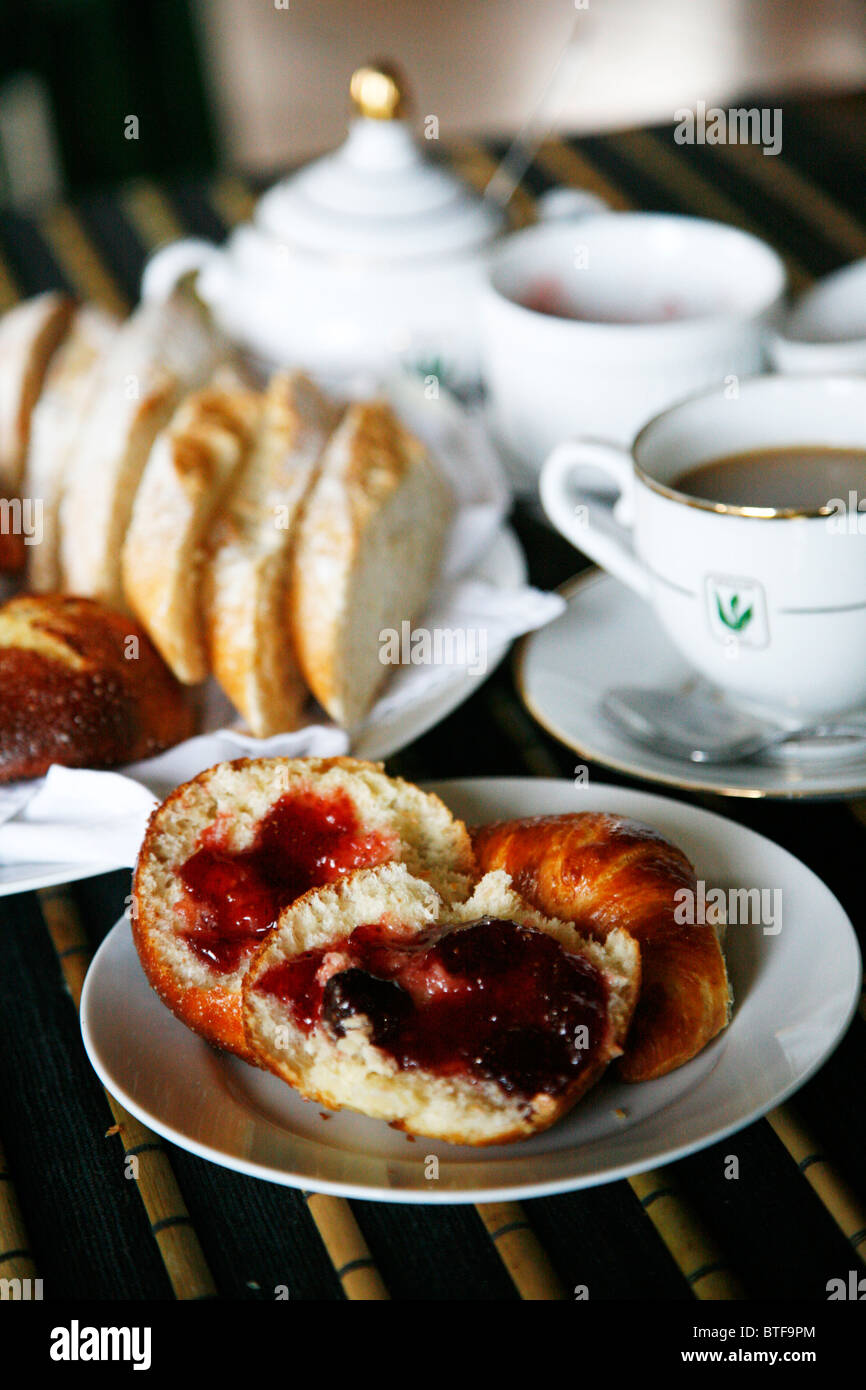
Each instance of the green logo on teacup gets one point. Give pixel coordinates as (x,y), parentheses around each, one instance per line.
(733,614)
(737,610)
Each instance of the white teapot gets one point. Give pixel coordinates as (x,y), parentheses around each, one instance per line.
(370,253)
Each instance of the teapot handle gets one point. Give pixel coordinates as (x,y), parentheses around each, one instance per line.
(168,266)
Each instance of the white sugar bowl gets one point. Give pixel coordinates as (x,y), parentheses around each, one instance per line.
(370,254)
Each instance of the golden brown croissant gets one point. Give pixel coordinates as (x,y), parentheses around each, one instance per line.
(602,871)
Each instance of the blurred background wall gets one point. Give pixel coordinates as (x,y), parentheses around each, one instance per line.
(259,84)
(72,72)
(279,77)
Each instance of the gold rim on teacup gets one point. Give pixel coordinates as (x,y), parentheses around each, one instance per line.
(732,508)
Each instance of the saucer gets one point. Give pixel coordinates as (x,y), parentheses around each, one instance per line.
(608,637)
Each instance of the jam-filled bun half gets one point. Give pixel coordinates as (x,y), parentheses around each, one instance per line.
(476,1023)
(228,851)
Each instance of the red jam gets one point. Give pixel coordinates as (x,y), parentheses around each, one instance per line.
(234,897)
(495,1001)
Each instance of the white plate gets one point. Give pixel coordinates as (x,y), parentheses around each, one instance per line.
(795,995)
(607,637)
(504,565)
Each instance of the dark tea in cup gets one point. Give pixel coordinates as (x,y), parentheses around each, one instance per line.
(805,478)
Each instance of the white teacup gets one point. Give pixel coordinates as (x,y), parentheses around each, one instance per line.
(668,305)
(826,330)
(769,604)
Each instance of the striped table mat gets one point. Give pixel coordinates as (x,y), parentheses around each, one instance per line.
(96,1206)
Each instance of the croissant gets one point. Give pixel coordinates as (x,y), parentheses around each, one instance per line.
(602,872)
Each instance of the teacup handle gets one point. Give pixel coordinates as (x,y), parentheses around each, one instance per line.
(601,529)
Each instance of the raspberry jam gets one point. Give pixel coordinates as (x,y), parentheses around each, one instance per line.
(233,897)
(494,1001)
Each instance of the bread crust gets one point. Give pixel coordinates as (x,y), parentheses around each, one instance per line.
(604,871)
(82,686)
(12,549)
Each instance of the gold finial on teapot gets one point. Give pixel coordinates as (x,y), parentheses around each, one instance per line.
(378,91)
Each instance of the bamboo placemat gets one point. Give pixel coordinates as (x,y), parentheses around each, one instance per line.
(634,169)
(521,1252)
(16,1259)
(846,1208)
(349,1252)
(145,1155)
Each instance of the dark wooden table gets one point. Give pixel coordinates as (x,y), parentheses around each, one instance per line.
(794,1219)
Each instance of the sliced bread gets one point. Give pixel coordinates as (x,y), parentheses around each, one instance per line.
(368,550)
(191,465)
(162,351)
(59,415)
(29,335)
(249,553)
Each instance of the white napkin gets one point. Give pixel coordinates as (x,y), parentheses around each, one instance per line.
(482,619)
(76,816)
(12,798)
(98,818)
(165,772)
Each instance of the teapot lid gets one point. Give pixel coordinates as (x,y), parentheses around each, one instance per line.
(377,196)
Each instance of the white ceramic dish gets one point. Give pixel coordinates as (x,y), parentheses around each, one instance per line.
(825,331)
(767,603)
(655,307)
(608,637)
(368,256)
(793,1004)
